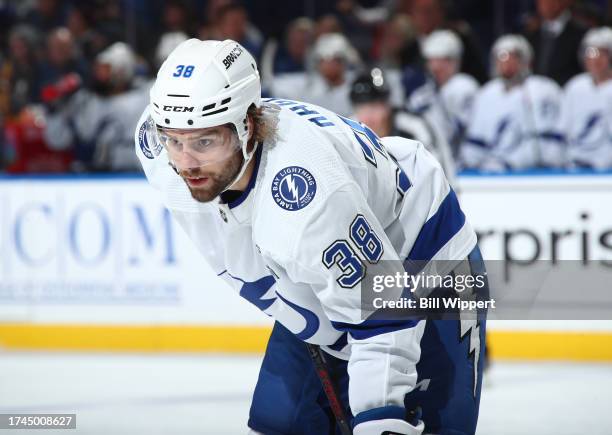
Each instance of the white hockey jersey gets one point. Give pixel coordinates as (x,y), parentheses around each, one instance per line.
(458,95)
(327,198)
(587,119)
(427,101)
(100,128)
(517,128)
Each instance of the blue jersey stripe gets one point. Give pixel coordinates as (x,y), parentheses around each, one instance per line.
(340,343)
(386,412)
(475,141)
(439,229)
(312,321)
(371,328)
(254,291)
(552,135)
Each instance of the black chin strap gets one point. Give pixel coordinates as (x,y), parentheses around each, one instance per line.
(173,168)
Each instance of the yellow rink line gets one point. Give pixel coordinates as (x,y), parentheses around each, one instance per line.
(558,345)
(139,338)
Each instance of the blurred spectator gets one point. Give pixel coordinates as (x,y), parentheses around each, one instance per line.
(327,24)
(208,29)
(556,39)
(370,97)
(99,125)
(291,56)
(398,45)
(587,105)
(176,20)
(590,14)
(62,57)
(176,17)
(329,85)
(430,15)
(356,30)
(80,23)
(515,121)
(398,48)
(25,149)
(110,20)
(442,49)
(167,43)
(232,22)
(46,15)
(20,72)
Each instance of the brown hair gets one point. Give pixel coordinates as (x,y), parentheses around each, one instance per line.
(264,123)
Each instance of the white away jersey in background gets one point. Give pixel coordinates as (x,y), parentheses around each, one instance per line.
(326,200)
(458,95)
(516,128)
(587,117)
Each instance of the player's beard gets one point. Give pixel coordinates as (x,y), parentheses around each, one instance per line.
(217,181)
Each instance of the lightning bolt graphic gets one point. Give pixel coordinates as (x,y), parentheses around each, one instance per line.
(473,328)
(292,187)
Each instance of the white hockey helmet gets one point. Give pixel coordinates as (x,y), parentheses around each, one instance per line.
(122,61)
(513,44)
(598,38)
(206,84)
(442,44)
(334,45)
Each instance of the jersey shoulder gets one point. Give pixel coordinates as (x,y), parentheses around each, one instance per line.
(463,83)
(491,92)
(299,170)
(537,84)
(579,83)
(582,87)
(492,87)
(606,88)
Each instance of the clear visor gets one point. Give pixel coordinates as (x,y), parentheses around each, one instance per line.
(195,148)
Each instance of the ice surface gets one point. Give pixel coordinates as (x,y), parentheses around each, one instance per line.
(199,394)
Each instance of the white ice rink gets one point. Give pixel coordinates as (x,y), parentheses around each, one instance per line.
(195,394)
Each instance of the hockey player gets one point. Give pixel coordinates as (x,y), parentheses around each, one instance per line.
(516,116)
(443,50)
(290,203)
(587,105)
(98,123)
(330,82)
(370,96)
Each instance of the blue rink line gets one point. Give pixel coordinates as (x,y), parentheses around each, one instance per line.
(470,173)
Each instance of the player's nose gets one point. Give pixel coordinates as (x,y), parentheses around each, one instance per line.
(184,160)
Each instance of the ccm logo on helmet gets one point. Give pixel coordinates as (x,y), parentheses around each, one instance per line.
(178,109)
(232,56)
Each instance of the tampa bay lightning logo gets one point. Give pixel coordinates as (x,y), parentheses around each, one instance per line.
(143,140)
(293,188)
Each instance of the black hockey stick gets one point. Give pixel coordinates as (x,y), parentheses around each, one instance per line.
(331,391)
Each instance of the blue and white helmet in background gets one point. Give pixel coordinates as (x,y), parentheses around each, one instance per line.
(599,38)
(442,44)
